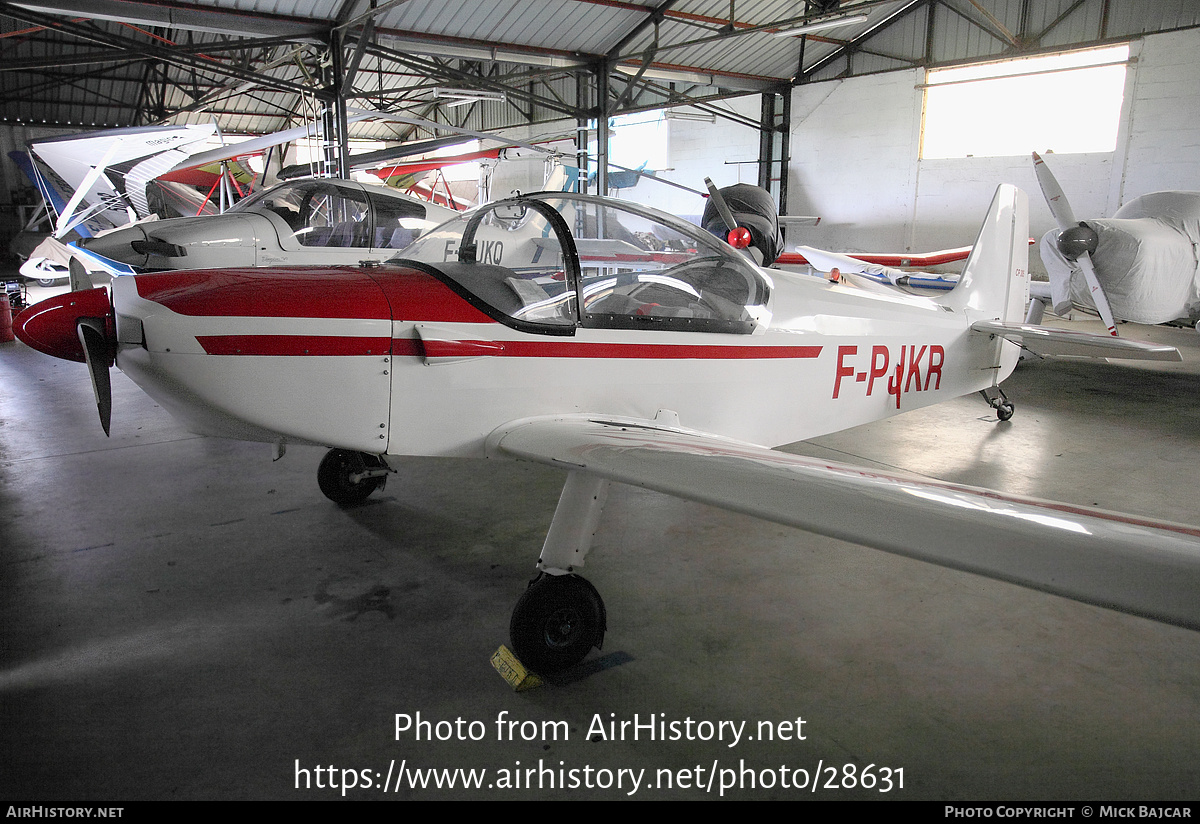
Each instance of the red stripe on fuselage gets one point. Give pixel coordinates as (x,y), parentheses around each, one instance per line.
(616,351)
(344,292)
(418,296)
(287,345)
(290,345)
(341,292)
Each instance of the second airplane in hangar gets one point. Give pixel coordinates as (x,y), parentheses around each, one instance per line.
(313,222)
(622,344)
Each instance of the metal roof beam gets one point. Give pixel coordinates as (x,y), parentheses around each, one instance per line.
(1005,34)
(123,55)
(360,49)
(137,49)
(191,18)
(1065,14)
(855,43)
(468,49)
(738,30)
(468,78)
(655,14)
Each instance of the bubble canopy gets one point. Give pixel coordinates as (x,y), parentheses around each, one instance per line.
(554,262)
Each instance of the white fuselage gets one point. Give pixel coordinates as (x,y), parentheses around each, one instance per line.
(418,370)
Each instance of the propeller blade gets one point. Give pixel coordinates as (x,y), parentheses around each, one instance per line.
(1060,208)
(722,207)
(1084,262)
(95,351)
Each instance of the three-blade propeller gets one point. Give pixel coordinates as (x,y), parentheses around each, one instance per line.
(1065,218)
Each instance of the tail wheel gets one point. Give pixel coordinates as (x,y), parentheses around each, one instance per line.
(334,476)
(556,622)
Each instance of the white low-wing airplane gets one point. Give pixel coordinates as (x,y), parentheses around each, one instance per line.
(620,343)
(309,222)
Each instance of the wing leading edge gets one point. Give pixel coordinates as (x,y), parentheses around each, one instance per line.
(1121,562)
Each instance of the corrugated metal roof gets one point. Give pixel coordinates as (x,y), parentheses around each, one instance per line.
(121,69)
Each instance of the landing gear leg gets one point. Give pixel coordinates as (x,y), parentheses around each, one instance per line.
(348,478)
(561,616)
(996,399)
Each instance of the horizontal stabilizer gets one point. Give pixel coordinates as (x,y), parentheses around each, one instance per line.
(1045,340)
(1122,562)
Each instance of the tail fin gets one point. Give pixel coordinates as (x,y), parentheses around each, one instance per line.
(995,280)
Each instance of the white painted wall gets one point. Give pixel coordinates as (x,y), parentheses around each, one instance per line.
(698,149)
(855,159)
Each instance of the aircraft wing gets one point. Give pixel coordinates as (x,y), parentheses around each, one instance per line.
(1121,562)
(888,258)
(828,261)
(798,220)
(432,164)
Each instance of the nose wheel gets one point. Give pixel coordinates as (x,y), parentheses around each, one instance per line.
(556,622)
(348,478)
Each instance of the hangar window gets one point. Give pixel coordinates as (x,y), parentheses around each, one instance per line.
(1069,102)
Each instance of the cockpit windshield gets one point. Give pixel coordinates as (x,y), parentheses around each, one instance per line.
(566,260)
(329,213)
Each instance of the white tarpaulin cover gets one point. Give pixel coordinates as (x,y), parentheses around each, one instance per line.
(1146,260)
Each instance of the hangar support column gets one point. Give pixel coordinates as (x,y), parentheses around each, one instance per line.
(773,147)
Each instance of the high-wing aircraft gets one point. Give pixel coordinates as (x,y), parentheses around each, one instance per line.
(314,222)
(623,344)
(1139,265)
(98,181)
(104,174)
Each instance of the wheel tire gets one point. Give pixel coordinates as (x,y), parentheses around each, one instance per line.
(47,281)
(556,622)
(333,476)
(1005,411)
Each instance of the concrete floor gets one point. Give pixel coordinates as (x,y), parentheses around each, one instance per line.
(181,618)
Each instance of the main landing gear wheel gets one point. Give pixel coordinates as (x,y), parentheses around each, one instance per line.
(334,476)
(996,399)
(557,620)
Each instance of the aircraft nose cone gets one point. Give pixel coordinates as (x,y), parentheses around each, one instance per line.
(50,325)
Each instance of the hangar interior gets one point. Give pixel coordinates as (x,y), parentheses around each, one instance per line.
(183,618)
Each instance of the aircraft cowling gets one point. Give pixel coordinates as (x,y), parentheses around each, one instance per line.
(50,326)
(278,355)
(78,326)
(222,240)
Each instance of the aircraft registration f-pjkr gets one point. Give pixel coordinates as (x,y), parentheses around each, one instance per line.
(622,344)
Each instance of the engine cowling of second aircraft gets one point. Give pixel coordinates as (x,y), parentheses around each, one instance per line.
(182,243)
